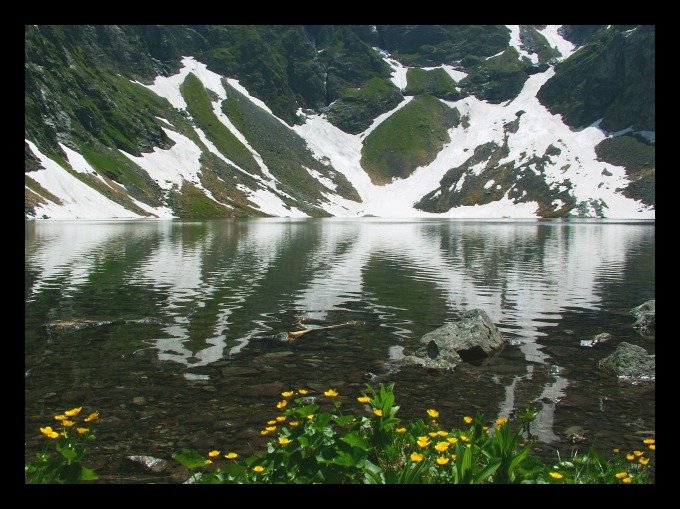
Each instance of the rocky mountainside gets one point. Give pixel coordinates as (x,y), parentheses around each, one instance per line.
(201,121)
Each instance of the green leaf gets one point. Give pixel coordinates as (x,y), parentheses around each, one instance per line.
(88,474)
(190,458)
(355,440)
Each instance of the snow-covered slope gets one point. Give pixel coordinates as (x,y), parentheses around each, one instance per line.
(572,165)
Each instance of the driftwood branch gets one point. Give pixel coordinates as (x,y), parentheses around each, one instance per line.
(292,336)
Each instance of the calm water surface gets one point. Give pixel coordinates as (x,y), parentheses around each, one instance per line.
(176,331)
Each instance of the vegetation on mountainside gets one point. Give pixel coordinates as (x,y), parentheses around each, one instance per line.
(83,91)
(411,137)
(480,180)
(638,157)
(496,79)
(285,154)
(357,108)
(433,45)
(200,107)
(611,77)
(436,82)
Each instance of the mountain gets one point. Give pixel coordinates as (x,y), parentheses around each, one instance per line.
(207,121)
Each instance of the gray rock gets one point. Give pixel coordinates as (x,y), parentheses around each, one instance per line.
(472,338)
(630,362)
(646,317)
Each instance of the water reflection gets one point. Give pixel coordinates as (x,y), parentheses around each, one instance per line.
(219,287)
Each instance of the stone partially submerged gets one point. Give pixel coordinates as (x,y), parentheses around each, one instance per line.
(471,338)
(646,318)
(630,362)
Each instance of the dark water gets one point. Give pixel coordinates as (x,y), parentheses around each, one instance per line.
(177,331)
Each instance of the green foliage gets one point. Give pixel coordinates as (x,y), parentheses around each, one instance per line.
(411,137)
(357,107)
(191,202)
(436,82)
(64,467)
(638,158)
(315,446)
(200,107)
(497,79)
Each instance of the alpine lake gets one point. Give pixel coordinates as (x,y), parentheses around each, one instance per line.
(177,332)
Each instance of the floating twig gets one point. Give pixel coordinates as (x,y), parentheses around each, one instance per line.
(292,336)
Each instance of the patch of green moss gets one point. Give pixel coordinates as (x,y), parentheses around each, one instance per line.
(638,157)
(497,79)
(192,203)
(436,82)
(285,154)
(411,137)
(355,111)
(200,107)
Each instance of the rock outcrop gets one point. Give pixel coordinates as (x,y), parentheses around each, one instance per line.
(471,338)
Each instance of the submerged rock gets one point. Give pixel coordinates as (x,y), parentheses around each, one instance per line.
(646,317)
(630,362)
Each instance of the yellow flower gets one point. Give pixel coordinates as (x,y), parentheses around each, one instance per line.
(264,432)
(423,438)
(453,440)
(442,433)
(617,450)
(464,438)
(400,430)
(330,393)
(281,404)
(628,480)
(442,446)
(303,391)
(231,455)
(68,423)
(271,423)
(60,417)
(287,394)
(212,454)
(423,443)
(501,421)
(82,430)
(621,475)
(468,445)
(649,441)
(72,412)
(310,417)
(630,457)
(653,447)
(49,432)
(271,428)
(442,460)
(258,468)
(485,428)
(556,475)
(644,461)
(363,399)
(433,434)
(293,423)
(416,457)
(453,457)
(433,413)
(280,418)
(638,453)
(467,419)
(284,440)
(92,416)
(208,462)
(377,412)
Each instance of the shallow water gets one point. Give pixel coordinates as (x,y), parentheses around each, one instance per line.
(177,331)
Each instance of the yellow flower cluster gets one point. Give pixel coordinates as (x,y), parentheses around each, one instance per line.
(67,422)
